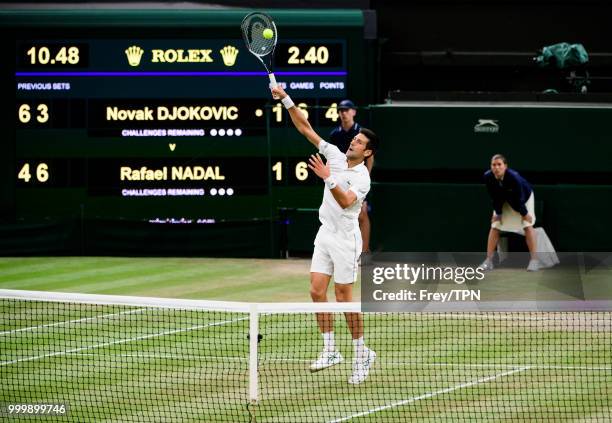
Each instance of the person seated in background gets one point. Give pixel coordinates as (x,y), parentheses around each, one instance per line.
(510,191)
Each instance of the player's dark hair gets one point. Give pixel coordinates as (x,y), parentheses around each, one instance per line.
(500,157)
(373,140)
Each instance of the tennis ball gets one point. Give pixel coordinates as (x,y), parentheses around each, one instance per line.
(267,33)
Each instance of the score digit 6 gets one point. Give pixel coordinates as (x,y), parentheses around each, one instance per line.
(42,172)
(24,113)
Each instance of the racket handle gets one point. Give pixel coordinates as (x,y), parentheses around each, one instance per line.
(273,84)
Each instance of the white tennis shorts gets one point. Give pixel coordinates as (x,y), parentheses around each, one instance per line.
(337,254)
(512,221)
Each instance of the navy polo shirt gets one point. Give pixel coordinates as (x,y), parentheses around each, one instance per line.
(513,188)
(341,138)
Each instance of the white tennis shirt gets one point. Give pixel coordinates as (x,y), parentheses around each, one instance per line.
(356,179)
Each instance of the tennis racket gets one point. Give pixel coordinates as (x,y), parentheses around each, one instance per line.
(253,26)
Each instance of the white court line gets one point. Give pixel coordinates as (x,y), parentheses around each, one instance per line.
(171,356)
(498,366)
(430,394)
(495,316)
(121,341)
(103,316)
(263,359)
(466,365)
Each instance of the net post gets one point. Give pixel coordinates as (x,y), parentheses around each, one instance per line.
(253,338)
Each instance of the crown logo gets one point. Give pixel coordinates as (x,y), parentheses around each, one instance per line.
(134,54)
(229,54)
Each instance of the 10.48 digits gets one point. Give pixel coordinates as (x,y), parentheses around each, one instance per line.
(44,55)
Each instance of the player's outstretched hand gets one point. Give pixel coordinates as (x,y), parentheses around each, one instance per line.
(318,167)
(278,92)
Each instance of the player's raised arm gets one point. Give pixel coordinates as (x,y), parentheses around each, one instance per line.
(297,117)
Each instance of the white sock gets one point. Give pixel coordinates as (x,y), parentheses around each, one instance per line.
(359,346)
(328,341)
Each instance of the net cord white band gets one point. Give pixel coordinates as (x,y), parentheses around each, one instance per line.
(171,303)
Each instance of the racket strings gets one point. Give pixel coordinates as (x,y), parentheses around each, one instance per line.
(252,29)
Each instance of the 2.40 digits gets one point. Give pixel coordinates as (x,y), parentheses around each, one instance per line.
(314,55)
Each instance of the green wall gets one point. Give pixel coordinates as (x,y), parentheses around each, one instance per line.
(559,138)
(428,193)
(456,217)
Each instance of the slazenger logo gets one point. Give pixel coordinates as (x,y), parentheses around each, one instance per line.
(487,125)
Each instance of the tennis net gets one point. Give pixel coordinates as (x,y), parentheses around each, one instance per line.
(114,358)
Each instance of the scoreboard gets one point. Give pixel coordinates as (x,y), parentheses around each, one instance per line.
(171,117)
(166,117)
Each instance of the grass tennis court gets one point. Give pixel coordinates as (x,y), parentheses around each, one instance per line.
(138,364)
(211,279)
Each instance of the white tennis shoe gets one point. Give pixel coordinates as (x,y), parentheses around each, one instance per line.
(326,359)
(487,265)
(534,265)
(361,367)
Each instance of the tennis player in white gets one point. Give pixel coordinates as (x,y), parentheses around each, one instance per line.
(338,243)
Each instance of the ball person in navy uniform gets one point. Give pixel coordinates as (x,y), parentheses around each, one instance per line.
(341,137)
(338,243)
(511,196)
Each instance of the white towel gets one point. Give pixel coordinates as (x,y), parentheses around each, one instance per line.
(546,251)
(512,221)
